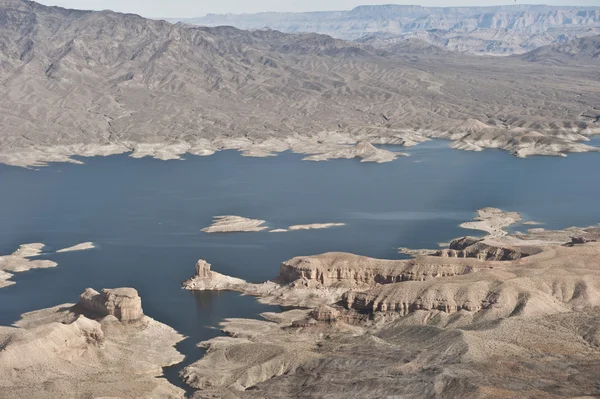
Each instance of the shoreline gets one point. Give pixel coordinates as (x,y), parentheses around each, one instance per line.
(336,297)
(317,148)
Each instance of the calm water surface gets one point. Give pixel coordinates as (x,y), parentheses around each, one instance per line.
(146,215)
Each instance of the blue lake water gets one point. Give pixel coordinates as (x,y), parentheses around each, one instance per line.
(146,215)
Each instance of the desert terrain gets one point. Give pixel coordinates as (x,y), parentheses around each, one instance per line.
(509,310)
(98,83)
(505,315)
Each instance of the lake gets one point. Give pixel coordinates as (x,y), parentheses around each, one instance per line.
(145,216)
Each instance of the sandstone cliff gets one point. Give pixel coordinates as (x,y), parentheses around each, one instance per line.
(330,268)
(123,303)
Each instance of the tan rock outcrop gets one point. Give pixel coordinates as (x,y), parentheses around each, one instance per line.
(69,351)
(470,247)
(123,303)
(559,279)
(207,280)
(202,269)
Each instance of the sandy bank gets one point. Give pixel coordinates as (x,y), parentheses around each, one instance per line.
(315,226)
(79,247)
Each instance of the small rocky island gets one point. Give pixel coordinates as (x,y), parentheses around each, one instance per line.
(238,224)
(233,224)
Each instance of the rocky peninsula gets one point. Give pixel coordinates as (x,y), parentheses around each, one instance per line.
(102,346)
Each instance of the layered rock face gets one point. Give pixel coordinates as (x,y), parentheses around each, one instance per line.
(331,268)
(123,303)
(325,313)
(557,280)
(470,247)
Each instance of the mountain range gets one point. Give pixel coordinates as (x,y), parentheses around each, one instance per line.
(86,83)
(514,29)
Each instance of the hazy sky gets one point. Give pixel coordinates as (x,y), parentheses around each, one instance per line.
(195,8)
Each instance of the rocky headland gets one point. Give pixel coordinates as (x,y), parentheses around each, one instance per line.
(480,318)
(102,346)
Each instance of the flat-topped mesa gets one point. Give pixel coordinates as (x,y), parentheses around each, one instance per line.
(334,267)
(123,303)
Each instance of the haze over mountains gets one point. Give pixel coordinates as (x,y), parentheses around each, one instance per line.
(83,82)
(511,29)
